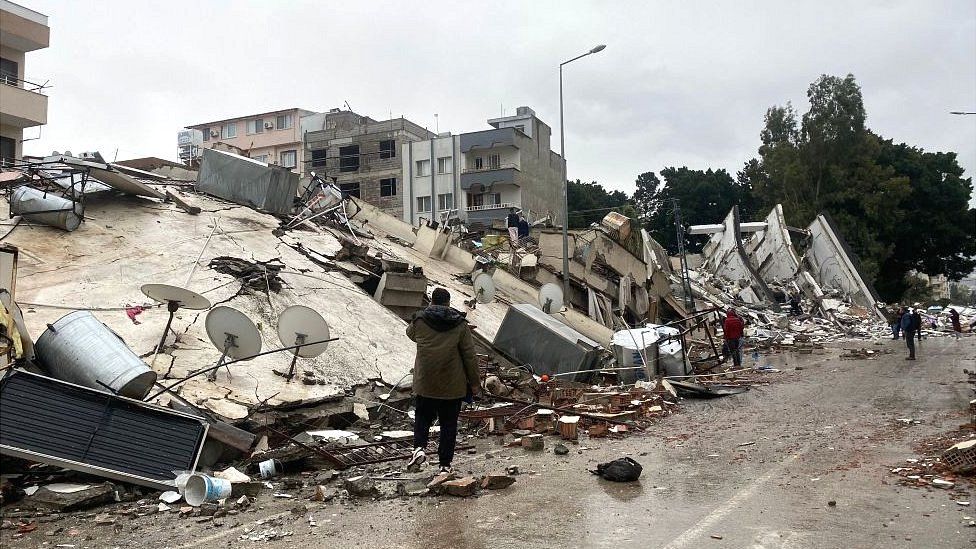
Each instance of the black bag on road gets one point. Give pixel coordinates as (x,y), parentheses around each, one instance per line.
(619,470)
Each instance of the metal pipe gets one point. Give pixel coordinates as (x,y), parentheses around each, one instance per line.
(43,207)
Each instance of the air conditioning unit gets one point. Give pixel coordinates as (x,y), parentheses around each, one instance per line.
(269,125)
(214,133)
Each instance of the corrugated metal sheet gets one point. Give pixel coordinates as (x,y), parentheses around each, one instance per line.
(248,182)
(50,421)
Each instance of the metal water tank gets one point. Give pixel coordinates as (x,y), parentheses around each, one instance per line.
(80,349)
(47,208)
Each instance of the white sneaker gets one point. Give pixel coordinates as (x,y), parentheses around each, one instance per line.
(418,458)
(446,470)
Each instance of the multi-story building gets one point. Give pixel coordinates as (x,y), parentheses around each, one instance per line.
(272,137)
(484,174)
(360,154)
(22,103)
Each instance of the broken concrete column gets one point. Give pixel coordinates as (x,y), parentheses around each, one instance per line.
(402,293)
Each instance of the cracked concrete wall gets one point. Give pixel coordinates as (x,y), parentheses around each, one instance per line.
(771,250)
(832,266)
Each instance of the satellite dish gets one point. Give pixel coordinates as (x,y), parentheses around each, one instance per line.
(175,298)
(551,298)
(298,324)
(484,288)
(233,334)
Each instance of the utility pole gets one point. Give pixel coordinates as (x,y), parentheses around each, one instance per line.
(685,277)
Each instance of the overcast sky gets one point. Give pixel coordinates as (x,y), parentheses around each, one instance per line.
(680,83)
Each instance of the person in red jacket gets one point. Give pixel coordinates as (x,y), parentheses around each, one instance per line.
(732,332)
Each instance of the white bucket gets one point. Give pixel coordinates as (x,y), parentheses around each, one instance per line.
(269,468)
(202,488)
(181,482)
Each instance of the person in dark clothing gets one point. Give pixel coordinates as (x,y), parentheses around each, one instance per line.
(523,228)
(956,325)
(512,222)
(732,334)
(917,323)
(445,373)
(795,309)
(896,326)
(908,326)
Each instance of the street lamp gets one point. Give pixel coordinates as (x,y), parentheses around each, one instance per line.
(562,152)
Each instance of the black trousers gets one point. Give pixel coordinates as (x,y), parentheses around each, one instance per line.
(910,341)
(734,347)
(446,411)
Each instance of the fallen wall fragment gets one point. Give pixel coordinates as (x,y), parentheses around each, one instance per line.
(833,265)
(534,338)
(247,182)
(82,429)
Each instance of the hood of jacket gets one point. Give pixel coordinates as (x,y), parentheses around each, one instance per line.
(440,318)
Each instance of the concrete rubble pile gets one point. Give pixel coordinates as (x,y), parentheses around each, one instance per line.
(228,408)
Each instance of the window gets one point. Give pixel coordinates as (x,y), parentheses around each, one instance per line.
(423,168)
(444,164)
(8,72)
(445,201)
(494,161)
(318,158)
(475,200)
(8,151)
(289,159)
(388,149)
(261,158)
(423,204)
(495,199)
(351,189)
(229,131)
(479,163)
(284,121)
(349,158)
(206,134)
(255,126)
(388,187)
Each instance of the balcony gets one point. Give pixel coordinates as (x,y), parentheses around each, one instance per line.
(486,213)
(19,107)
(484,178)
(488,139)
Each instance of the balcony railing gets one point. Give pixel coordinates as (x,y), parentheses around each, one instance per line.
(490,167)
(484,207)
(12,80)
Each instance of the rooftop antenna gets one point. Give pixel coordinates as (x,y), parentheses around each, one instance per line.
(551,298)
(348,107)
(233,334)
(298,325)
(484,288)
(437,124)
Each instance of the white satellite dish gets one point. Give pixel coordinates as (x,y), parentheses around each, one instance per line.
(299,324)
(551,298)
(233,334)
(484,288)
(175,298)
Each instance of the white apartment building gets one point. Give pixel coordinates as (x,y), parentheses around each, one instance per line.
(485,173)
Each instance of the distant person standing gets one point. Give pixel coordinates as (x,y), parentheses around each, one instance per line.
(908,326)
(956,325)
(795,309)
(512,222)
(523,227)
(896,325)
(917,323)
(732,333)
(444,375)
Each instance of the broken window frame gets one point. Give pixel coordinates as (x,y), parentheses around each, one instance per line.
(349,158)
(388,187)
(351,188)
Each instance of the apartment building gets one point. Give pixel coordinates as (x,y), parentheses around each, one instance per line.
(361,154)
(273,137)
(483,174)
(22,103)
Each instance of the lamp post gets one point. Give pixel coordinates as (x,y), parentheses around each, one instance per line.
(562,152)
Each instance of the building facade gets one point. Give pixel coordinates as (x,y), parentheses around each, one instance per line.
(272,137)
(22,103)
(484,174)
(362,155)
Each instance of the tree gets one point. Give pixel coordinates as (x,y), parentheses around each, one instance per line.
(590,202)
(703,196)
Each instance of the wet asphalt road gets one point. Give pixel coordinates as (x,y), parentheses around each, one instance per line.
(756,469)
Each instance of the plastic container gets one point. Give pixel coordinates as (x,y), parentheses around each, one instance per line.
(202,488)
(270,468)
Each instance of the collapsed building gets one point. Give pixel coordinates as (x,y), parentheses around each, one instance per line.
(250,241)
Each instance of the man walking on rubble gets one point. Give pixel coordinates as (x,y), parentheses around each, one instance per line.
(908,327)
(512,222)
(956,325)
(445,373)
(732,333)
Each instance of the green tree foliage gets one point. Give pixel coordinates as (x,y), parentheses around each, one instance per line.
(704,197)
(881,195)
(590,202)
